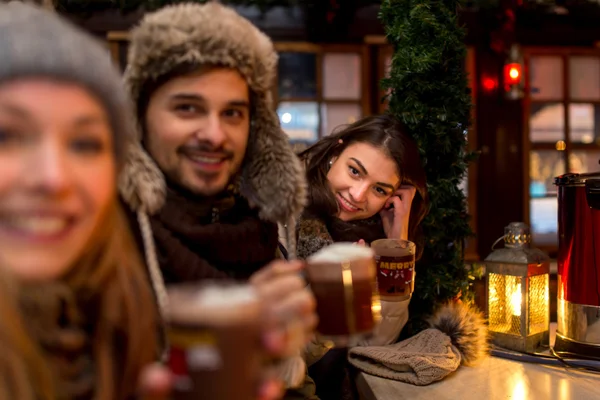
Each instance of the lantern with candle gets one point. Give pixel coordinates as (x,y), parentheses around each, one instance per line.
(518,279)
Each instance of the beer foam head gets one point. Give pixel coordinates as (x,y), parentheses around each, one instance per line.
(341,252)
(326,264)
(213,303)
(393,247)
(224,296)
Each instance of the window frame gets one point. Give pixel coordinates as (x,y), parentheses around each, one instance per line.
(565,53)
(320,50)
(115,39)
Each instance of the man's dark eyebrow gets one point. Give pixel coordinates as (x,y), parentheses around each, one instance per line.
(14,110)
(187,96)
(197,97)
(364,171)
(239,103)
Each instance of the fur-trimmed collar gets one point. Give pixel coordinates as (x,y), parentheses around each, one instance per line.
(314,233)
(312,236)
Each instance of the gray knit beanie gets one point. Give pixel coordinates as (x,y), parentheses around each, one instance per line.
(458,336)
(38,43)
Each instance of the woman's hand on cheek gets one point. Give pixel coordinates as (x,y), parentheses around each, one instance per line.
(395,219)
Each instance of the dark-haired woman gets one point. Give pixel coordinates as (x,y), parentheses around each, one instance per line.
(366,182)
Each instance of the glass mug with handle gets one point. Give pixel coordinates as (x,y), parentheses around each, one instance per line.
(342,278)
(395,264)
(215,341)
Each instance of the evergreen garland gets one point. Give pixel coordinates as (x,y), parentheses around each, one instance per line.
(429,93)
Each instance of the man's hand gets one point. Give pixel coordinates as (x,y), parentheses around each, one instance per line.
(290,316)
(289,321)
(156,383)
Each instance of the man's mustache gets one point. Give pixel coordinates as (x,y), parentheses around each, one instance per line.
(204,149)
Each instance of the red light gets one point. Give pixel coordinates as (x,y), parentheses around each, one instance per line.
(512,74)
(178,362)
(489,84)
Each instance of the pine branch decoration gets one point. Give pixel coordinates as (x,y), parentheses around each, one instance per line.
(429,92)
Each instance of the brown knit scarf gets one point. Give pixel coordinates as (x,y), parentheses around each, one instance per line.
(314,233)
(201,238)
(56,321)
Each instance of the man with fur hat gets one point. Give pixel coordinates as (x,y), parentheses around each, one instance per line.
(212,173)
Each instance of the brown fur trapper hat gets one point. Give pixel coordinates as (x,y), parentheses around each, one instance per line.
(271,177)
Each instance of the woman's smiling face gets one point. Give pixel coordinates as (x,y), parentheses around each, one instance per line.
(362,178)
(58,175)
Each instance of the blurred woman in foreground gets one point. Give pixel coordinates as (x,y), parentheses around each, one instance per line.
(77,316)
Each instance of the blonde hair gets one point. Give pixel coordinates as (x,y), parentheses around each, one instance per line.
(112,272)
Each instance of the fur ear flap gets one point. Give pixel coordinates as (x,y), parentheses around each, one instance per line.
(272,175)
(142,184)
(466,327)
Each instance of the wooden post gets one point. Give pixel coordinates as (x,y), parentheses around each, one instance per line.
(48,4)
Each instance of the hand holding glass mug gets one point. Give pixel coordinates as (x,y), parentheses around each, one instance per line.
(350,281)
(156,383)
(342,277)
(215,341)
(290,317)
(222,336)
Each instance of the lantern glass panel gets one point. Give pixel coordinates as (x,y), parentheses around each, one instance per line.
(504,299)
(539,303)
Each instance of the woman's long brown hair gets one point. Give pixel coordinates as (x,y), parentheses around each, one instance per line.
(381,131)
(124,338)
